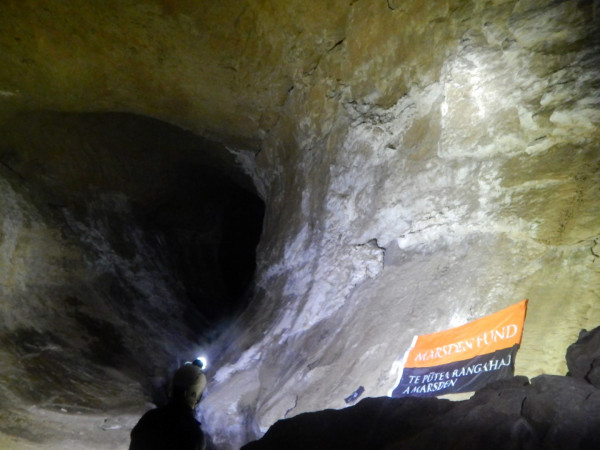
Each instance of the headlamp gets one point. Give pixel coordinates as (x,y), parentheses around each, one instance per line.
(203,361)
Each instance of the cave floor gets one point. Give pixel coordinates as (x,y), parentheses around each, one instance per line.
(67,430)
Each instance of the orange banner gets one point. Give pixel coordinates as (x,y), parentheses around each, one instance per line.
(482,336)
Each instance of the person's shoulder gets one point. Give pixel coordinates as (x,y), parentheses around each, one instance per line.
(153,415)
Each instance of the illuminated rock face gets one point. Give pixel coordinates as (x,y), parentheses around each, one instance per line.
(422,164)
(474,187)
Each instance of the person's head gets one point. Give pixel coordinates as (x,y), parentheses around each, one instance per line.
(188,385)
(198,363)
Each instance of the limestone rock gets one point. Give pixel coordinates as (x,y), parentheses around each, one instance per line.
(551,412)
(472,175)
(583,357)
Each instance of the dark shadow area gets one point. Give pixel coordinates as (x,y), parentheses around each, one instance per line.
(188,194)
(212,228)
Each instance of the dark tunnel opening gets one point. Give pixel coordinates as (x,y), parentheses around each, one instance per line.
(192,200)
(212,238)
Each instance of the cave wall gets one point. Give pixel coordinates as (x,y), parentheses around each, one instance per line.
(422,164)
(415,194)
(116,239)
(78,310)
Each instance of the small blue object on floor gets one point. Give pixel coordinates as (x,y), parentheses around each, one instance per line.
(357,393)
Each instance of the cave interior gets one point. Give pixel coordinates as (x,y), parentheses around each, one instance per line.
(291,189)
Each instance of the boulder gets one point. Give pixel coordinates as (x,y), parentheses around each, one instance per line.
(583,357)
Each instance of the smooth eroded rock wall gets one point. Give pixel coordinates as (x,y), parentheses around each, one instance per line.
(468,184)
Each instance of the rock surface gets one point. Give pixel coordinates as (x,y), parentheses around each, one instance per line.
(111,269)
(421,163)
(467,185)
(583,357)
(548,412)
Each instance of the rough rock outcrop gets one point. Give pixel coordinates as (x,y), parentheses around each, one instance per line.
(548,412)
(583,357)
